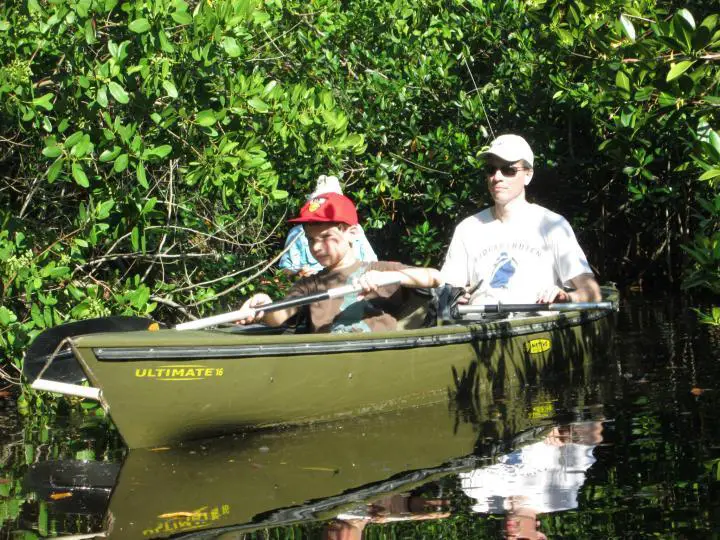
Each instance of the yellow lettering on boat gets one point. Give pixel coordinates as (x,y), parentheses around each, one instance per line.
(535,346)
(172,522)
(179,372)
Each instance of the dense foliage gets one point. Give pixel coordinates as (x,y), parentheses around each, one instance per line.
(151,150)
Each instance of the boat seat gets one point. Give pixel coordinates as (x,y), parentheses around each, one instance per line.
(413,313)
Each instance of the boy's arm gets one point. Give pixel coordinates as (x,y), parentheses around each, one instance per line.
(414,277)
(255,314)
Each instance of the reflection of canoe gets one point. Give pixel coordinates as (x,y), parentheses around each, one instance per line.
(167,386)
(271,478)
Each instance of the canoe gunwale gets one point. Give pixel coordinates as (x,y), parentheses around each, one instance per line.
(473,331)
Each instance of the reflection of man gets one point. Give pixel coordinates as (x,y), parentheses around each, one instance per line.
(542,477)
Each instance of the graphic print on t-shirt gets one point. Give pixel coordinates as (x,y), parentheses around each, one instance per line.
(352,310)
(503,271)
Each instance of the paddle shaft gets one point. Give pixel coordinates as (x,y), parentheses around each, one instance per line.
(517,308)
(276,306)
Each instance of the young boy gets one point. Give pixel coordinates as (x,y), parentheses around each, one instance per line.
(330,221)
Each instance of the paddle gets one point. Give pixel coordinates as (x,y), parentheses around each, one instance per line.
(525,308)
(65,369)
(276,306)
(73,487)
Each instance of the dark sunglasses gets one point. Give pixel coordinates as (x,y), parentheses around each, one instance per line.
(507,171)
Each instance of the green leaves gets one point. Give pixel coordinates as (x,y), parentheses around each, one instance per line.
(170,89)
(139,26)
(79,175)
(259,105)
(678,69)
(231,47)
(206,118)
(627,27)
(118,92)
(44,102)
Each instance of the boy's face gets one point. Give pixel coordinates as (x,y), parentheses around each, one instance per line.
(330,243)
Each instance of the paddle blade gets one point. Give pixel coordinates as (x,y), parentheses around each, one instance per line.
(64,367)
(73,487)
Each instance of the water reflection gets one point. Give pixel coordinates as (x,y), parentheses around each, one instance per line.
(351,524)
(538,478)
(410,475)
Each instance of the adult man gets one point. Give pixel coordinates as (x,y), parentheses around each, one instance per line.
(516,251)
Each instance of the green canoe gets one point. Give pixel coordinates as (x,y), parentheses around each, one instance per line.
(162,387)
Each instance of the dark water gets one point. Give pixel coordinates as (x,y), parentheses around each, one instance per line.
(629,448)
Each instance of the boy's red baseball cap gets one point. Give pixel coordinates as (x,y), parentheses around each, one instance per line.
(328,208)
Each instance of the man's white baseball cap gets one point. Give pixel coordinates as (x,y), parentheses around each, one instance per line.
(511,148)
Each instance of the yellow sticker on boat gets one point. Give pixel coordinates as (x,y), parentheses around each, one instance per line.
(535,346)
(182,372)
(174,522)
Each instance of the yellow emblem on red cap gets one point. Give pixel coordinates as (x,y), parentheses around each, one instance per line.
(315,204)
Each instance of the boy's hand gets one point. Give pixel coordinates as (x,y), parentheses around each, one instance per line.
(306,271)
(251,304)
(371,280)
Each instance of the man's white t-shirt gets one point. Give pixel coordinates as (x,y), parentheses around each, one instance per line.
(540,476)
(516,259)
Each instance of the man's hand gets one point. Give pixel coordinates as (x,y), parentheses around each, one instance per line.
(553,294)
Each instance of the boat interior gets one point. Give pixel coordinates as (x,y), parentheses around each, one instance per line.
(419,311)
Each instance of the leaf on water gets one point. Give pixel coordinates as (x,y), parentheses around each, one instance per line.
(321,469)
(171,515)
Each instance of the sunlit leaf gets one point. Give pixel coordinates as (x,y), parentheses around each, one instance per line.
(139,25)
(54,169)
(181,17)
(170,89)
(44,102)
(140,173)
(685,14)
(258,104)
(622,81)
(678,69)
(79,175)
(231,46)
(206,118)
(627,27)
(118,92)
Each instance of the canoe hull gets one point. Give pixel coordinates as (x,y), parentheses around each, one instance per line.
(167,386)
